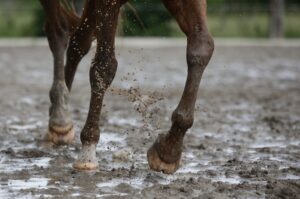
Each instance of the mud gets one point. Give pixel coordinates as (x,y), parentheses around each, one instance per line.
(245,142)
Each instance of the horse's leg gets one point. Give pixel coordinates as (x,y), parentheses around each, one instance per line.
(165,153)
(102,73)
(80,41)
(57,29)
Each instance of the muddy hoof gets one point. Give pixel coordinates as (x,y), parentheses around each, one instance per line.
(86,159)
(85,166)
(157,164)
(61,135)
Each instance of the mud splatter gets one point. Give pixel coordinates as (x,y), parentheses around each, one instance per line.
(245,141)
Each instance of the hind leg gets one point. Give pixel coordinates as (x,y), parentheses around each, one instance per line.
(57,28)
(164,155)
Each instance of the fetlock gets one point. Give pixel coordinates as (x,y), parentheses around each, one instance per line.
(58,112)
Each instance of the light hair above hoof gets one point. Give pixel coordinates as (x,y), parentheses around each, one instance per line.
(61,135)
(87,158)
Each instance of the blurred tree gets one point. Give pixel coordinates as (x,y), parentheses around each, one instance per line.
(227,18)
(276,18)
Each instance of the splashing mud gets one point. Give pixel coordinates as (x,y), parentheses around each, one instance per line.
(245,141)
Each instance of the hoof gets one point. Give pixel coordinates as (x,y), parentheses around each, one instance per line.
(87,158)
(61,135)
(85,166)
(157,164)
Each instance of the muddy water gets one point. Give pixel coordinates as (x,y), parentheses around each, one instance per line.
(245,142)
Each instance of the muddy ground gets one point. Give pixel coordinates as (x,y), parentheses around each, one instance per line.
(245,142)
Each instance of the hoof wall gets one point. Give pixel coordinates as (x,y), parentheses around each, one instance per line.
(61,135)
(85,166)
(157,164)
(87,158)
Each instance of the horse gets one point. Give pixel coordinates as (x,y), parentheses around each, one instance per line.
(71,35)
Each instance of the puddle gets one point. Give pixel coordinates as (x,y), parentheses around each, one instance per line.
(241,118)
(117,120)
(10,188)
(290,177)
(23,127)
(241,127)
(241,106)
(17,125)
(189,168)
(137,183)
(13,165)
(28,100)
(269,144)
(228,180)
(31,183)
(110,141)
(111,195)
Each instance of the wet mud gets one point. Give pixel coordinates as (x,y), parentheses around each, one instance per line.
(245,142)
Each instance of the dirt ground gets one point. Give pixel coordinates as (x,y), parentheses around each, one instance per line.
(245,142)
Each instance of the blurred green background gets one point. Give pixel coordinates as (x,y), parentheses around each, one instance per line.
(226,18)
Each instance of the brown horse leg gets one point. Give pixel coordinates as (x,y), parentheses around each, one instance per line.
(165,153)
(57,29)
(80,41)
(102,73)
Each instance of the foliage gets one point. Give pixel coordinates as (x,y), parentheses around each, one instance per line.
(20,19)
(149,17)
(227,18)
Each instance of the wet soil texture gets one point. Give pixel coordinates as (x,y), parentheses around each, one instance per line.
(245,142)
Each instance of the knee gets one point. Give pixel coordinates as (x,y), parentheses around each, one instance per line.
(103,71)
(105,64)
(199,50)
